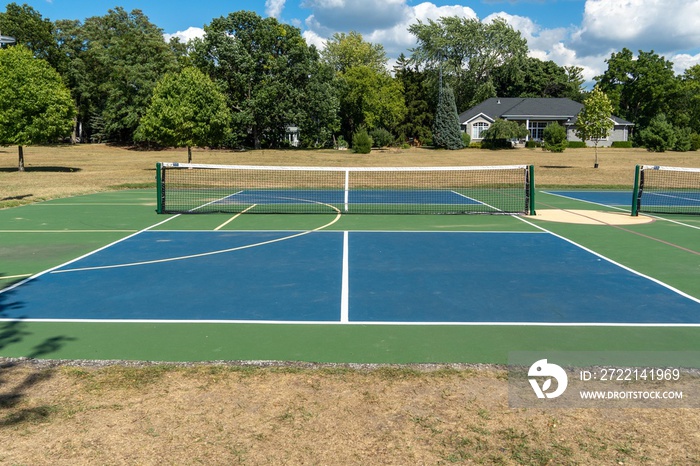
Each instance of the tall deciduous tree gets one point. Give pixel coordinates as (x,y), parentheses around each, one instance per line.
(468,50)
(124,57)
(594,122)
(35,105)
(30,29)
(369,96)
(640,87)
(345,51)
(187,110)
(271,77)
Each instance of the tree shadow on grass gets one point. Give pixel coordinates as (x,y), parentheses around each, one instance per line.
(42,169)
(13,392)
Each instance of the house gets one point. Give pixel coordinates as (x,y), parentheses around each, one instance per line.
(536,114)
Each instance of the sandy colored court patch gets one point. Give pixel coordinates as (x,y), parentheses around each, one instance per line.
(591,217)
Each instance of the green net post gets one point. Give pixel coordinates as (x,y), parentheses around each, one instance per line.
(635,191)
(159,188)
(531,189)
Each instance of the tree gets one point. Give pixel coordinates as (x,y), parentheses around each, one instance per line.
(640,88)
(532,77)
(446,129)
(554,136)
(28,28)
(468,51)
(501,132)
(271,77)
(593,122)
(35,105)
(370,98)
(124,56)
(420,113)
(187,110)
(345,51)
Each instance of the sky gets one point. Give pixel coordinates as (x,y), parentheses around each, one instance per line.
(581,33)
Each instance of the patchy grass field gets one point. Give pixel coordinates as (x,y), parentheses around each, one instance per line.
(120,413)
(128,413)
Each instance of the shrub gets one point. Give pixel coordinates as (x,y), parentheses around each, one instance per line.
(555,138)
(466,139)
(342,143)
(475,145)
(577,144)
(362,142)
(532,144)
(382,137)
(684,141)
(659,136)
(622,144)
(695,141)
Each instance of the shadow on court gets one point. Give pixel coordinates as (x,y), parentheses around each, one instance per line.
(13,390)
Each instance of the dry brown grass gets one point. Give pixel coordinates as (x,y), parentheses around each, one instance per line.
(125,414)
(229,415)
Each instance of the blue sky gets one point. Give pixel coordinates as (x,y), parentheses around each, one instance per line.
(570,32)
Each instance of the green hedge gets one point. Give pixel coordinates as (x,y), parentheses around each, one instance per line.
(577,145)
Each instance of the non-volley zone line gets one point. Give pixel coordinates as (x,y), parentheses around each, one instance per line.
(370,278)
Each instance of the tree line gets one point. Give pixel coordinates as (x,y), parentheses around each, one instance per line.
(250,79)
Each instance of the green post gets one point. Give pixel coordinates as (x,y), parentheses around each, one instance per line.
(531,189)
(159,189)
(635,191)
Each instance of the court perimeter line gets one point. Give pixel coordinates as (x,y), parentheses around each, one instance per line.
(345,284)
(629,269)
(359,323)
(68,231)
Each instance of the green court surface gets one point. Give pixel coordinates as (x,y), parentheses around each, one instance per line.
(39,237)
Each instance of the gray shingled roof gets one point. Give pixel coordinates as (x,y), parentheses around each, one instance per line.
(521,108)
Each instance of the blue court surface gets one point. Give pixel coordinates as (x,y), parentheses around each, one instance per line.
(377,277)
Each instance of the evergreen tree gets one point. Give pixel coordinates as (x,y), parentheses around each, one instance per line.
(446,130)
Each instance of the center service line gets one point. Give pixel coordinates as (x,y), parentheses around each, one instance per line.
(344,288)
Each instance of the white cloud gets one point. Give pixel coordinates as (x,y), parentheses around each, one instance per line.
(660,25)
(390,30)
(186,35)
(273,8)
(683,61)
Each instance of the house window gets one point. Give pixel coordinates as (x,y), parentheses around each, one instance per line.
(478,128)
(537,129)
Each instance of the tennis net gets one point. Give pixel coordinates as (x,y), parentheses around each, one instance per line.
(666,190)
(198,188)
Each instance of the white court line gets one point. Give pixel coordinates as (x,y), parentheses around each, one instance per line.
(85,255)
(233,218)
(345,286)
(203,254)
(10,277)
(359,323)
(68,231)
(605,258)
